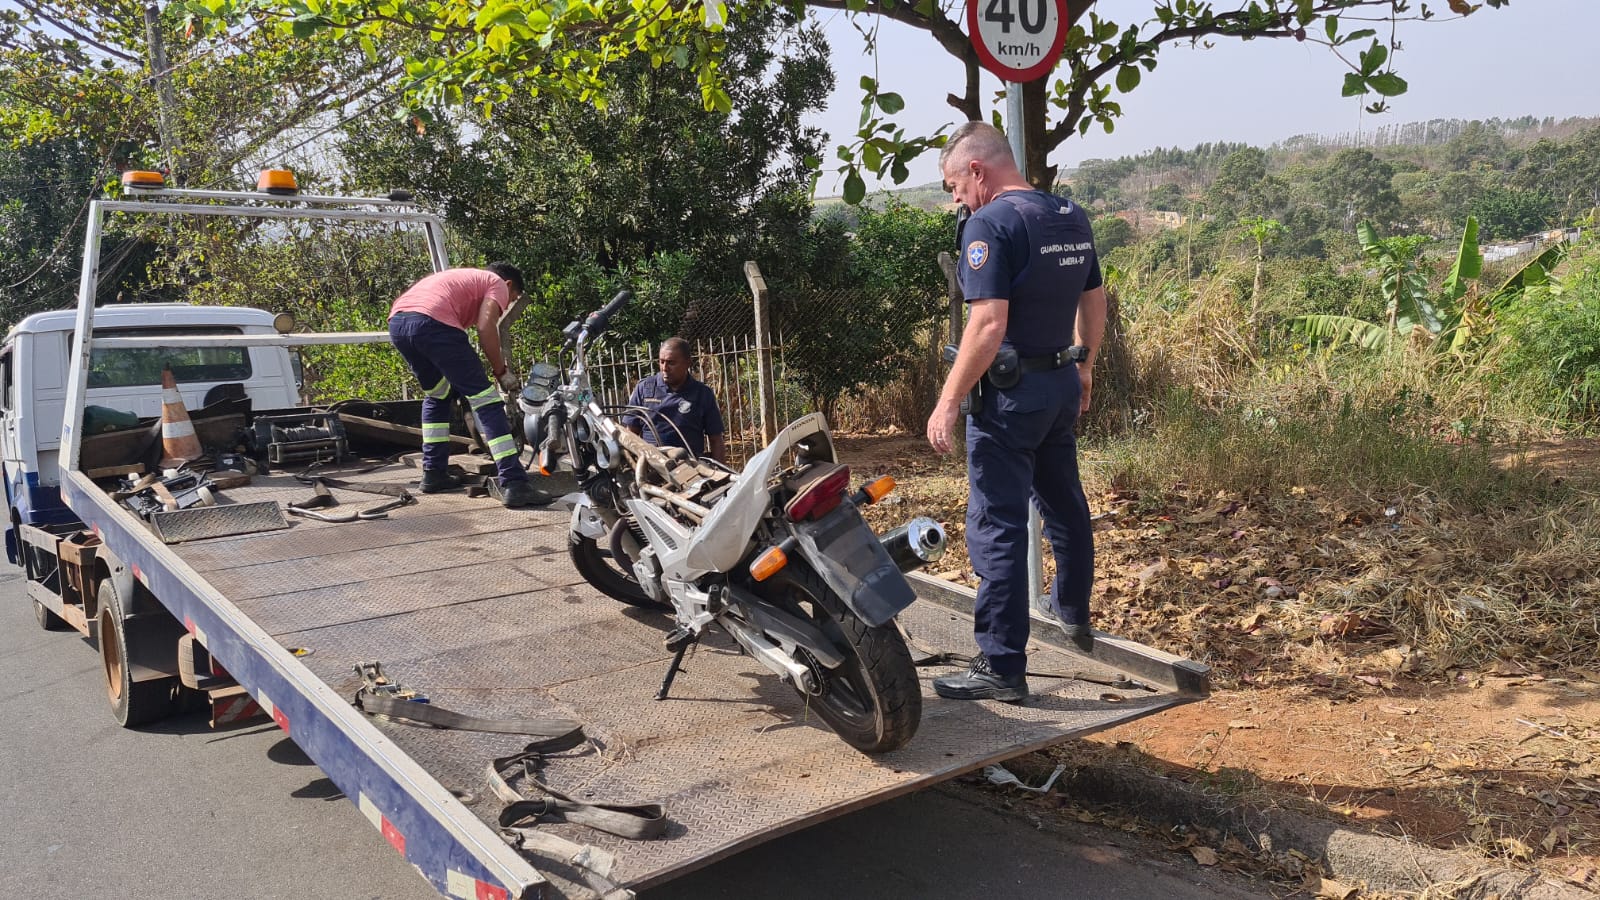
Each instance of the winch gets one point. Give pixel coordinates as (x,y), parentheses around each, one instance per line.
(299,436)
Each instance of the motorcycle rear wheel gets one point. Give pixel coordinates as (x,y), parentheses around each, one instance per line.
(873,700)
(602,573)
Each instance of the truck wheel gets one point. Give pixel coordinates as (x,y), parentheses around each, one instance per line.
(48,620)
(132,702)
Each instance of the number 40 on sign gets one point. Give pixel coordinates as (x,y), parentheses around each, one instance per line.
(1020,40)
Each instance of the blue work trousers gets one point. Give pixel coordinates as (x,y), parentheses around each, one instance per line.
(447,366)
(1021,447)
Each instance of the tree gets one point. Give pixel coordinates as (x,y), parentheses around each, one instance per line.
(1262,231)
(1356,186)
(651,186)
(1111,232)
(1508,213)
(469,52)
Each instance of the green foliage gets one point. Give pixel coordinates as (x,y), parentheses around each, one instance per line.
(1111,232)
(1509,213)
(461,52)
(652,187)
(1553,344)
(898,249)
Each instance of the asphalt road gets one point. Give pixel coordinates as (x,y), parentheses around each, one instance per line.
(177,811)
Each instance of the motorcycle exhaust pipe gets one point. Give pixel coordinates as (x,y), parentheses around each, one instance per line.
(915,544)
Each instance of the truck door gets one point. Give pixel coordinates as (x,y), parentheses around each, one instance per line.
(10,454)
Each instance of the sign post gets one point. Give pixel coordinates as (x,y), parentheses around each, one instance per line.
(1021,41)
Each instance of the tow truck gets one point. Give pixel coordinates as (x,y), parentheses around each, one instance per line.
(467,605)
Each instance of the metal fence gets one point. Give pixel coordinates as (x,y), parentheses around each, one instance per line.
(728,365)
(865,353)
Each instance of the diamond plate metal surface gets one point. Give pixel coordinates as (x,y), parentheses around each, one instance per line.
(199,522)
(480,609)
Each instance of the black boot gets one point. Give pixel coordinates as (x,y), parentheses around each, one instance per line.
(1082,636)
(981,683)
(518,494)
(437,480)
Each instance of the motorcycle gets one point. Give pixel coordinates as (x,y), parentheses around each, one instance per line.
(776,555)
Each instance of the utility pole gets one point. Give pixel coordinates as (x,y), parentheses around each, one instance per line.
(166,104)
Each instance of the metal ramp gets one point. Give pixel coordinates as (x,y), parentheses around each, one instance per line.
(480,608)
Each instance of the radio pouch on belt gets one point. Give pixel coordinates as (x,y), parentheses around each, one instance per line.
(972,404)
(1006,370)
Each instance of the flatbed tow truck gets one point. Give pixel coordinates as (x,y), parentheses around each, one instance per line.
(480,609)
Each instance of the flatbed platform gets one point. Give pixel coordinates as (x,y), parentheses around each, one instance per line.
(480,608)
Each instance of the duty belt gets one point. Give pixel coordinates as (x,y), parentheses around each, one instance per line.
(1072,354)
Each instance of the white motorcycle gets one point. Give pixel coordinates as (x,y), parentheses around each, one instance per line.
(777,555)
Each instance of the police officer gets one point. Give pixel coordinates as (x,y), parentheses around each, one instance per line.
(428,324)
(681,411)
(1032,283)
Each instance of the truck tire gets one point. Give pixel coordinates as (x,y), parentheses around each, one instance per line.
(48,620)
(132,702)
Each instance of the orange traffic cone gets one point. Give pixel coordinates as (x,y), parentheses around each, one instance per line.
(178,439)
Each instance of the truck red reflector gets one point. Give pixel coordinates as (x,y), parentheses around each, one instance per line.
(393,836)
(466,887)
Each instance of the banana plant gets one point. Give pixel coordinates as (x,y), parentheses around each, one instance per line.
(1404,287)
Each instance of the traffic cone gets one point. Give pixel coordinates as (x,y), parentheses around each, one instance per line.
(178,440)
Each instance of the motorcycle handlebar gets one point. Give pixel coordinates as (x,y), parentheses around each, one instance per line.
(597,321)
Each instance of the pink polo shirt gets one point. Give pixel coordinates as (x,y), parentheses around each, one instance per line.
(454,296)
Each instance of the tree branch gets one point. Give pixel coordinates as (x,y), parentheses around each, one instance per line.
(64,26)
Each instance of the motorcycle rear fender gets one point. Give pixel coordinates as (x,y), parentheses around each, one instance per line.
(720,542)
(853,563)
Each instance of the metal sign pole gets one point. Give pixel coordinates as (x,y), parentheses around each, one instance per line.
(1016,134)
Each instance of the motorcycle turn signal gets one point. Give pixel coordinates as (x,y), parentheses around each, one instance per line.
(874,490)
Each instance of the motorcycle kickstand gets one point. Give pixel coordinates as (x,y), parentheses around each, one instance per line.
(679,642)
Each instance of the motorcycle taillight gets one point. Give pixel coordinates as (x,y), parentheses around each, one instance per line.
(819,495)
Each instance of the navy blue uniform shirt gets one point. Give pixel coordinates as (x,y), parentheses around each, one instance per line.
(692,407)
(1035,250)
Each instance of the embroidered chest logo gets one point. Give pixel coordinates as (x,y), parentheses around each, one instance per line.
(977,254)
(684,406)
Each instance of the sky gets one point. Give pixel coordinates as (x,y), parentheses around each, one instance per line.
(1532,57)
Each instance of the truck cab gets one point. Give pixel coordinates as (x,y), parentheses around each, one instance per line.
(33,387)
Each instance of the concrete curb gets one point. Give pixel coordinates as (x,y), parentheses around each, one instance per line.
(1354,857)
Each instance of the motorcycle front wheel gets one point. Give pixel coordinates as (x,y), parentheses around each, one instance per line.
(873,700)
(604,575)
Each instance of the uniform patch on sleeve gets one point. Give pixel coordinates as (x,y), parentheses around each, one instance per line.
(977,254)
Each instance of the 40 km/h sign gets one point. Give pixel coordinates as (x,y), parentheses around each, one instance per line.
(1018,40)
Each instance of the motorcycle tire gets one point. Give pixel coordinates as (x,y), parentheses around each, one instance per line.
(873,701)
(596,567)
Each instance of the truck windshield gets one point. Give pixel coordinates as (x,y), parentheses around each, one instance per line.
(127,367)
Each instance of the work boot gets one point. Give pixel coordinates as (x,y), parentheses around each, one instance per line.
(981,683)
(437,480)
(518,494)
(1081,636)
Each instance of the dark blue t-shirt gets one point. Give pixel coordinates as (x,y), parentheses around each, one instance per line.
(1035,250)
(692,407)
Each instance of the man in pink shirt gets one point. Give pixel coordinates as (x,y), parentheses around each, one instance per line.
(428,325)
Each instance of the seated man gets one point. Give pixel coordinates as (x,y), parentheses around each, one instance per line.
(682,412)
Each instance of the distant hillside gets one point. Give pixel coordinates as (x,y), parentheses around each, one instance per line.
(930,197)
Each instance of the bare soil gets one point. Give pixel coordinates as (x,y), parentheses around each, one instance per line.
(1335,716)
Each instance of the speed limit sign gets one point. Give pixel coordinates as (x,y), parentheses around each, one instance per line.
(1019,40)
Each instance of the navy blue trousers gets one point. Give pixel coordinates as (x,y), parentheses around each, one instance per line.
(1021,447)
(447,366)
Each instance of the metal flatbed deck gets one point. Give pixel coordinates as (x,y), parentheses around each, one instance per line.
(480,608)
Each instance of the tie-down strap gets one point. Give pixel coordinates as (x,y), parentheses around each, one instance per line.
(521,814)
